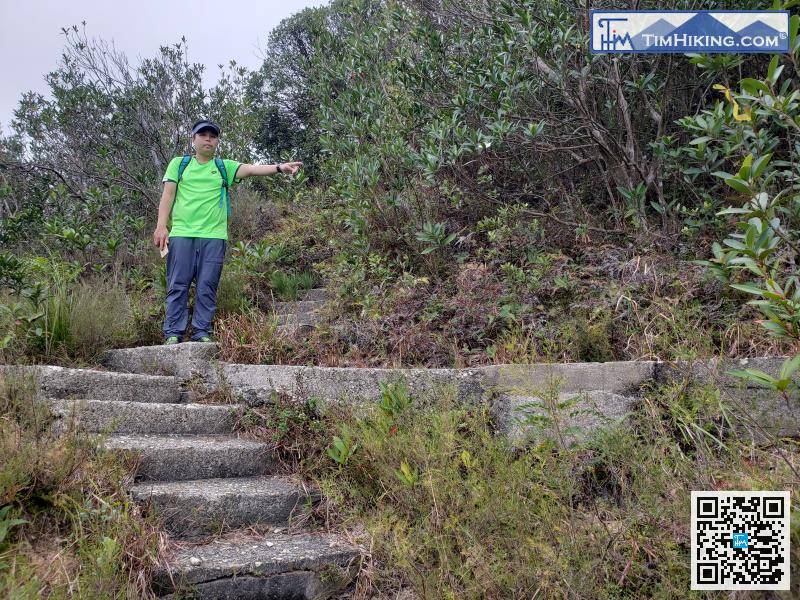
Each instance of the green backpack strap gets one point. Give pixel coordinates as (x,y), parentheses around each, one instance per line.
(182,167)
(223,194)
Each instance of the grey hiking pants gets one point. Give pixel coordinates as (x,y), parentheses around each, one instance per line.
(192,258)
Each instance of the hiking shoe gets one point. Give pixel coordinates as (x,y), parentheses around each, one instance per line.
(173,339)
(205,338)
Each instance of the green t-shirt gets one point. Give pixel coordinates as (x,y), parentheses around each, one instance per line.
(196,211)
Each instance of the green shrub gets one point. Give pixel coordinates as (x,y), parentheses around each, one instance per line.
(100,317)
(64,318)
(451,510)
(592,339)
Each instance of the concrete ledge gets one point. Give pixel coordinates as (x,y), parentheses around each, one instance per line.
(63,382)
(295,330)
(617,376)
(299,320)
(714,370)
(111,416)
(184,361)
(192,509)
(609,389)
(179,458)
(760,411)
(297,585)
(317,294)
(763,413)
(247,568)
(521,418)
(255,384)
(300,306)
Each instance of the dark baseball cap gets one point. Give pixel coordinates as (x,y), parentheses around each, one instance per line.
(205,124)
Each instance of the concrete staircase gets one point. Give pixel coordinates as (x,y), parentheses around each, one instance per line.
(228,512)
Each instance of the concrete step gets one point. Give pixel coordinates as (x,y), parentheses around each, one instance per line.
(183,360)
(294,330)
(317,294)
(114,416)
(299,307)
(715,370)
(184,457)
(302,567)
(63,382)
(192,509)
(298,319)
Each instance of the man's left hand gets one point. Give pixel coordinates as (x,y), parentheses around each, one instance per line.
(290,168)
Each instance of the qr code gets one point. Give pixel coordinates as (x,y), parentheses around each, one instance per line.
(740,540)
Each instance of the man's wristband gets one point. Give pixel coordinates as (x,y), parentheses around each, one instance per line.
(278,166)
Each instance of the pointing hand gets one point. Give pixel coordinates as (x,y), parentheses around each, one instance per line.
(290,168)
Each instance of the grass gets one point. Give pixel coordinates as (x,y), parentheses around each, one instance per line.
(74,324)
(252,337)
(232,293)
(67,527)
(288,287)
(451,510)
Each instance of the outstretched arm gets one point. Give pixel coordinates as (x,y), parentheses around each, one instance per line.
(244,171)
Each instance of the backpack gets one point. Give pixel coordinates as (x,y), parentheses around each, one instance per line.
(223,194)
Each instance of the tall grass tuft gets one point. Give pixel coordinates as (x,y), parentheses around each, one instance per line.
(288,287)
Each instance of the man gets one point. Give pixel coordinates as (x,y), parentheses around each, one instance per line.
(197,240)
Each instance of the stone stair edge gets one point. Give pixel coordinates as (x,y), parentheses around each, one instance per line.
(263,556)
(742,361)
(176,457)
(193,509)
(167,439)
(124,416)
(98,372)
(144,405)
(617,376)
(61,382)
(298,306)
(200,487)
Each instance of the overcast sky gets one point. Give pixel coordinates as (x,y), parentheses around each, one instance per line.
(31,41)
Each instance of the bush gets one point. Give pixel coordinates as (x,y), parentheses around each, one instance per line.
(65,317)
(100,317)
(451,510)
(233,291)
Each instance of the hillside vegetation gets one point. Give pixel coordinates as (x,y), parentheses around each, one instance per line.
(476,188)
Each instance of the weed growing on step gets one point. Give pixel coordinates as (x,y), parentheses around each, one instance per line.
(293,427)
(550,416)
(67,527)
(452,510)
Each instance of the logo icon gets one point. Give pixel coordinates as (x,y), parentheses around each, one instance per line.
(740,540)
(650,31)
